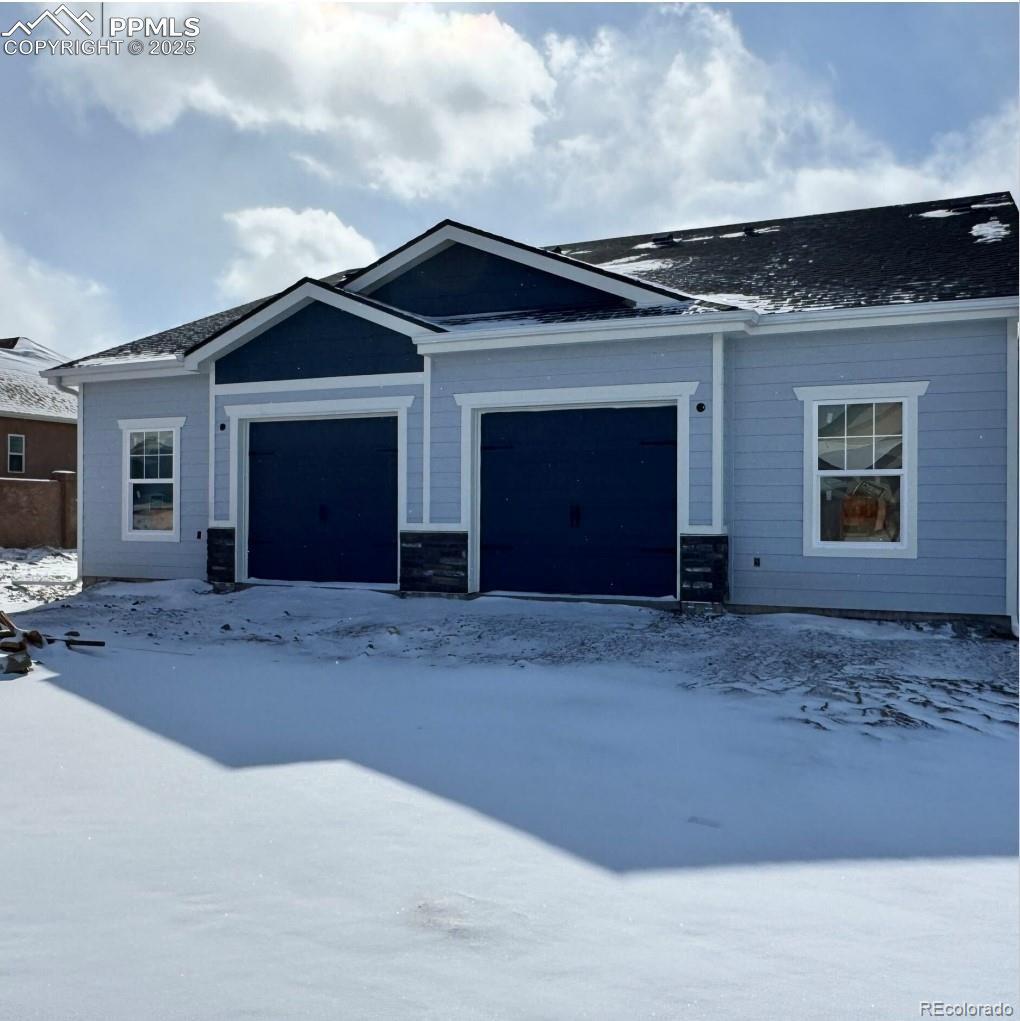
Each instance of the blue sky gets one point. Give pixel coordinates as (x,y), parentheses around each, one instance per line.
(139,192)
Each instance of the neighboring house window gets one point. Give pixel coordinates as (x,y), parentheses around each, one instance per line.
(151,506)
(15,453)
(860,469)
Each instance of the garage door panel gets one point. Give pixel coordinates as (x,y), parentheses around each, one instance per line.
(579,501)
(323,500)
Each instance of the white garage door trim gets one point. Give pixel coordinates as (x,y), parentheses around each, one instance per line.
(474,405)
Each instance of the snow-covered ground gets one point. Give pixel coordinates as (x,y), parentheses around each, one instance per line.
(29,577)
(307,803)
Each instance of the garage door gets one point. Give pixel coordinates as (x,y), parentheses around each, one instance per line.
(579,502)
(322,500)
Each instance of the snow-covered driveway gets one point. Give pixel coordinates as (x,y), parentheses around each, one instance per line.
(304,803)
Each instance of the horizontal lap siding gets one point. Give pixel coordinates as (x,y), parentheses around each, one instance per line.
(311,393)
(960,566)
(104,552)
(668,360)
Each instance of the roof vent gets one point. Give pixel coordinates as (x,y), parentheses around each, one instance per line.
(556,250)
(749,232)
(661,240)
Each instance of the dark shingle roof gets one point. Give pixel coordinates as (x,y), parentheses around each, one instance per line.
(926,251)
(537,316)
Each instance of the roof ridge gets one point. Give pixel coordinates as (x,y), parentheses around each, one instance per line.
(778,220)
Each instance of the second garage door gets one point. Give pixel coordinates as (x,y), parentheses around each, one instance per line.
(579,501)
(322,500)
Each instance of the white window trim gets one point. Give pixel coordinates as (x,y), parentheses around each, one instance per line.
(812,397)
(474,405)
(23,454)
(127,427)
(240,416)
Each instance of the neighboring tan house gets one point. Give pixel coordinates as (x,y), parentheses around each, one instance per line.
(38,449)
(811,413)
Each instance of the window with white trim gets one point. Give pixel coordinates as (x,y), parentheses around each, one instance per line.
(860,469)
(151,505)
(15,453)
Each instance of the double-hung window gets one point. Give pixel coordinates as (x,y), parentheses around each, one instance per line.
(151,500)
(15,454)
(860,469)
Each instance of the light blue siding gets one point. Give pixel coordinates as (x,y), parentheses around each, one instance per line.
(960,567)
(312,393)
(104,553)
(667,360)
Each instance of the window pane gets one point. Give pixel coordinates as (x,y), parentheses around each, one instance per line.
(859,509)
(16,444)
(166,466)
(889,452)
(137,443)
(860,420)
(151,443)
(859,453)
(16,462)
(166,442)
(889,419)
(831,419)
(831,454)
(152,507)
(138,467)
(151,466)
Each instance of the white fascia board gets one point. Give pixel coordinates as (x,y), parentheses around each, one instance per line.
(38,417)
(885,315)
(449,235)
(111,372)
(587,333)
(287,305)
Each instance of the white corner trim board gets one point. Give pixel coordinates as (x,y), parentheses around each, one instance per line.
(241,415)
(1012,467)
(718,428)
(474,405)
(128,426)
(906,393)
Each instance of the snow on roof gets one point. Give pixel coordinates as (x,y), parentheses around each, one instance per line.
(23,392)
(920,252)
(993,230)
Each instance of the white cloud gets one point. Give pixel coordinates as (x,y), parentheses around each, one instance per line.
(68,313)
(689,127)
(672,122)
(419,100)
(278,245)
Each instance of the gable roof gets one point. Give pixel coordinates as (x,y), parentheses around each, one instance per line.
(23,394)
(948,250)
(448,232)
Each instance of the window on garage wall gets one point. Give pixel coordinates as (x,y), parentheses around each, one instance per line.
(860,469)
(151,501)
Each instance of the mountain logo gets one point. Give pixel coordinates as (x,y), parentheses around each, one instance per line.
(55,18)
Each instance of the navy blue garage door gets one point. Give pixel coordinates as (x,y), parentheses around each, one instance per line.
(579,502)
(322,500)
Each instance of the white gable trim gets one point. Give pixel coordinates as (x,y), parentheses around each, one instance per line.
(450,234)
(284,307)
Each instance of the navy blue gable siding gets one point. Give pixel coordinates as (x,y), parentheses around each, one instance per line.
(460,280)
(319,340)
